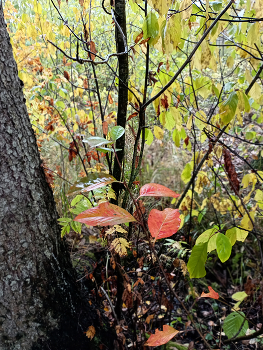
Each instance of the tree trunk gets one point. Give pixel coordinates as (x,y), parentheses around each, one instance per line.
(122,91)
(40,305)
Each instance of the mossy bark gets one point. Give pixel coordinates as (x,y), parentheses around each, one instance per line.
(40,303)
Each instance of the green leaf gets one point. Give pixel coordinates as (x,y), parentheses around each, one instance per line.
(176,138)
(197,260)
(228,108)
(95,141)
(76,226)
(60,104)
(233,323)
(76,200)
(65,230)
(241,234)
(223,247)
(107,150)
(116,132)
(239,296)
(212,242)
(148,137)
(150,28)
(205,236)
(187,172)
(169,121)
(231,234)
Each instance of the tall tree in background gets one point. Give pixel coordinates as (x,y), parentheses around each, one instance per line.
(40,305)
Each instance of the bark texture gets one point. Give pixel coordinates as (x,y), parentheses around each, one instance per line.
(40,306)
(123,88)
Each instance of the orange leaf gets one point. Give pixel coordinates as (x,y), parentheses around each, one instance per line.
(165,223)
(161,337)
(212,294)
(155,190)
(105,128)
(92,49)
(110,99)
(90,332)
(138,38)
(85,84)
(104,214)
(132,115)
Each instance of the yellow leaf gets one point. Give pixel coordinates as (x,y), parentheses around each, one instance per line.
(186,8)
(230,61)
(189,122)
(118,228)
(37,7)
(201,182)
(158,132)
(255,91)
(177,117)
(120,246)
(183,267)
(90,332)
(246,222)
(258,6)
(182,217)
(242,234)
(161,7)
(206,55)
(249,178)
(200,120)
(110,231)
(173,31)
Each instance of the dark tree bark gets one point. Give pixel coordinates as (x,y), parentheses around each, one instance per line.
(123,89)
(40,303)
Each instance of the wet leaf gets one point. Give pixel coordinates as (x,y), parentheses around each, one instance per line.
(165,223)
(91,179)
(95,141)
(104,214)
(161,337)
(155,190)
(101,182)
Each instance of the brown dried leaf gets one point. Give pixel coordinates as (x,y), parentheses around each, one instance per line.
(66,75)
(92,49)
(90,332)
(105,127)
(149,318)
(138,38)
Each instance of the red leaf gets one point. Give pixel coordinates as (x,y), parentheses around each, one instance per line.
(212,294)
(100,183)
(104,214)
(155,190)
(161,337)
(165,223)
